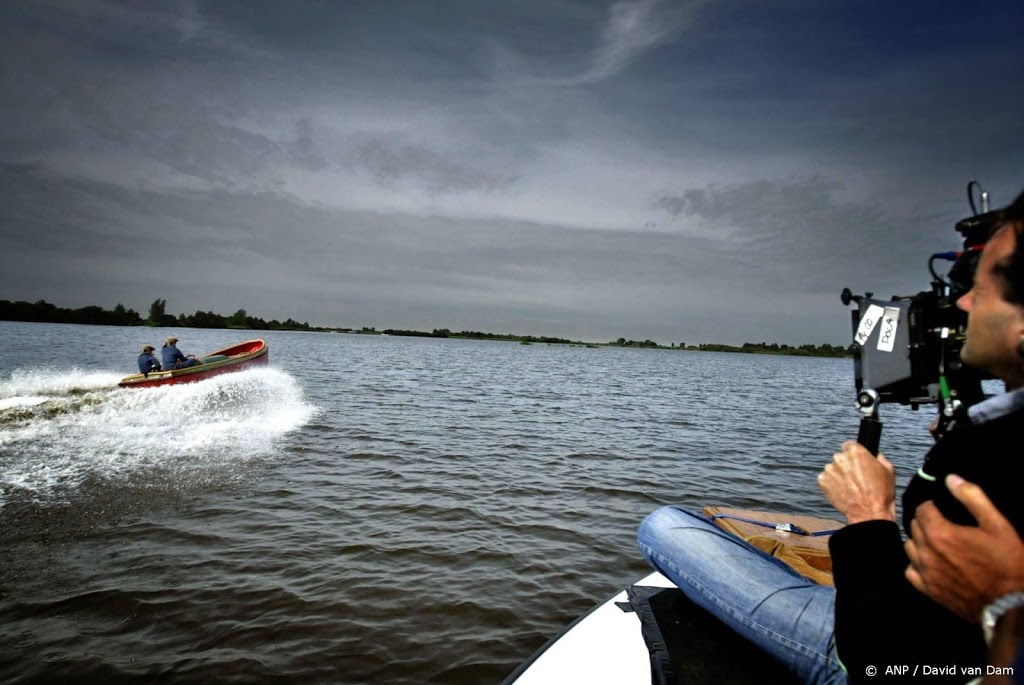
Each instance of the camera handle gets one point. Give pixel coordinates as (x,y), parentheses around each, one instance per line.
(870,433)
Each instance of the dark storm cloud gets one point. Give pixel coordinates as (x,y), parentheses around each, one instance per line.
(21,168)
(222,251)
(689,170)
(801,234)
(794,219)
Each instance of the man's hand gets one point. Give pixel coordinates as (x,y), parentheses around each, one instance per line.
(964,568)
(859,486)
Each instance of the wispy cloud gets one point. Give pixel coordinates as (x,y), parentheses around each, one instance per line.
(630,29)
(634,27)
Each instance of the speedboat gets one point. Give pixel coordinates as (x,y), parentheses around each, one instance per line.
(235,358)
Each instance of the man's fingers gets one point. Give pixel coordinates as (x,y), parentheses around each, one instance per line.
(915,578)
(854,448)
(977,502)
(912,554)
(916,569)
(886,463)
(916,532)
(924,515)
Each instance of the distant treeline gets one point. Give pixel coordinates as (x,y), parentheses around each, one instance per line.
(43,311)
(477,335)
(622,342)
(823,350)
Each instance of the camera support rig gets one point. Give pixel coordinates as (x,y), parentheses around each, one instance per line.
(907,349)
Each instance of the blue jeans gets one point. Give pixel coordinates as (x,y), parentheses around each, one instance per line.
(761,598)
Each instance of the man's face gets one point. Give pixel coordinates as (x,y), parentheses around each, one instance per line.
(995,327)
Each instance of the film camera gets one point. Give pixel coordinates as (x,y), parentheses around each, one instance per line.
(907,349)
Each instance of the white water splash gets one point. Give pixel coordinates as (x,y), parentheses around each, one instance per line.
(59,429)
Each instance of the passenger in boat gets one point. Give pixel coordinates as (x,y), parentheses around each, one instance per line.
(173,358)
(874,616)
(147,362)
(975,571)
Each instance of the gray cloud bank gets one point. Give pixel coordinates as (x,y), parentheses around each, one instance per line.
(582,169)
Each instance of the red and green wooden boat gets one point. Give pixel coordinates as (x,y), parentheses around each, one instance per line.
(235,358)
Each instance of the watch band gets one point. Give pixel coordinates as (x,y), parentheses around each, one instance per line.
(991,614)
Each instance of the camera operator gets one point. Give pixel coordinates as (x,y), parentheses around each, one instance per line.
(874,618)
(880,617)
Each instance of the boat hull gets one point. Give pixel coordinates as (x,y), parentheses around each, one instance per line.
(612,644)
(246,355)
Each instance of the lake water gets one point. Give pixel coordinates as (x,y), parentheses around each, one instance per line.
(369,509)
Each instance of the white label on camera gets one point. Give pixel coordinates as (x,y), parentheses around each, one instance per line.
(867,324)
(887,333)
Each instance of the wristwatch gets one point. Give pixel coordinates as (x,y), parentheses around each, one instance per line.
(991,614)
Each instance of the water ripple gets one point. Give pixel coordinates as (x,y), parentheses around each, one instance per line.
(409,511)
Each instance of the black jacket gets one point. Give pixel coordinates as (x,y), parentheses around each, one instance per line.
(881,620)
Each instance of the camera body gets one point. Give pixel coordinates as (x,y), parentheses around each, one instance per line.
(906,349)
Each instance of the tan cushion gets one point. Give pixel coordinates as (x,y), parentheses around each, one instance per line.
(805,554)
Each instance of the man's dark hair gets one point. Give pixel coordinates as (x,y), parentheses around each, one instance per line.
(1011,270)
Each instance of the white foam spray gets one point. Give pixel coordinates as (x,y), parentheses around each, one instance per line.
(58,429)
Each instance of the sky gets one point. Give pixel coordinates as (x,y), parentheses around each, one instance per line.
(674,170)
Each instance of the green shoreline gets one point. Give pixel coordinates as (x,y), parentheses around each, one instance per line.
(44,312)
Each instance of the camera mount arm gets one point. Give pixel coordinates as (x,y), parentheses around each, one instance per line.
(870,432)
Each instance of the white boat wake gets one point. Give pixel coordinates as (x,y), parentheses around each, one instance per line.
(58,430)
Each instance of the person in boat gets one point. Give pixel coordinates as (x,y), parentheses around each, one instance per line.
(975,571)
(173,358)
(874,617)
(147,362)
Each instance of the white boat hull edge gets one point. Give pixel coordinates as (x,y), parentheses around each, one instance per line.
(605,646)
